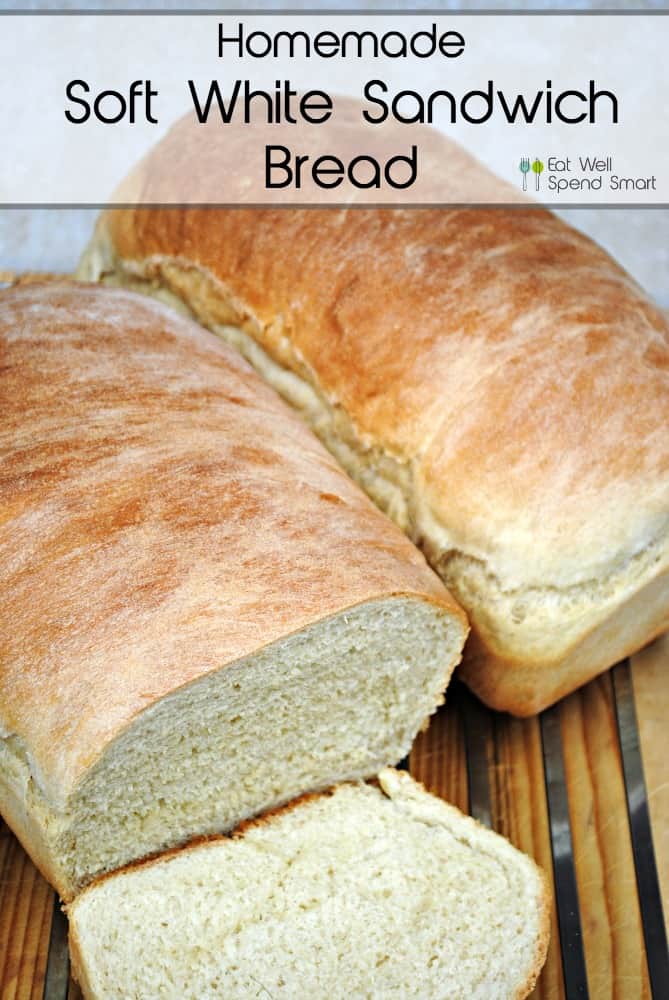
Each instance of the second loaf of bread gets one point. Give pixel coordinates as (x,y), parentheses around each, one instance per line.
(491,377)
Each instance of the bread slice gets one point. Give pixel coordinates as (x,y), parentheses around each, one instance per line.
(492,378)
(367,891)
(201,616)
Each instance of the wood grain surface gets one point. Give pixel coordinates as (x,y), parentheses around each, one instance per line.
(651,693)
(26,905)
(612,929)
(611,922)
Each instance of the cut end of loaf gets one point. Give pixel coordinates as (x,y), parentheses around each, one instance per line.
(367,891)
(334,702)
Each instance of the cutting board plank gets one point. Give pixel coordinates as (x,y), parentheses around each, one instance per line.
(26,905)
(612,928)
(512,754)
(651,693)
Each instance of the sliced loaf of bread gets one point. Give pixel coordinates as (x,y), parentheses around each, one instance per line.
(366,891)
(202,616)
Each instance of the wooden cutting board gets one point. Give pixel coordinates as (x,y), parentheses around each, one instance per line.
(497,765)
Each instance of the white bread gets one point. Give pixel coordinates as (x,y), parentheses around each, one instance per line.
(491,377)
(202,616)
(363,892)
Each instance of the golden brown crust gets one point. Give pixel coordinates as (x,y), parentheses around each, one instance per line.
(162,514)
(516,371)
(512,374)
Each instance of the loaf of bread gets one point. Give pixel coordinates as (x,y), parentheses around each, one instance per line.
(492,378)
(201,615)
(364,891)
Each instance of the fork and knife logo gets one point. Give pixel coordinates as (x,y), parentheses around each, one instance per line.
(536,167)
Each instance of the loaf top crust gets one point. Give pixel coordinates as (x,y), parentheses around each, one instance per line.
(503,359)
(163,513)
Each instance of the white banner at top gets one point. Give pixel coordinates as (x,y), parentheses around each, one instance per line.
(334,109)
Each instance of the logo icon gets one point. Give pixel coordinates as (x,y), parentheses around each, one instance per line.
(536,167)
